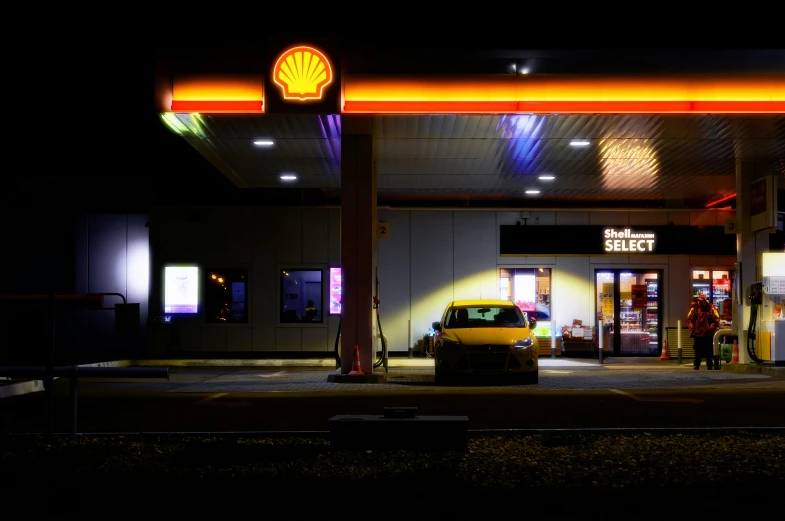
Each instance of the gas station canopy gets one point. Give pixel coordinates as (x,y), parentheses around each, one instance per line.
(492,128)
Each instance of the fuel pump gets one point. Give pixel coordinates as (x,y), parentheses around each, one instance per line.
(754,299)
(772,321)
(765,299)
(382,361)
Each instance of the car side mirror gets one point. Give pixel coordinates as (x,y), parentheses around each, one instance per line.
(532,323)
(436,326)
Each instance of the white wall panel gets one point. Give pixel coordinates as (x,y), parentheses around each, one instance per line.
(609,219)
(648,260)
(334,231)
(263,338)
(316,238)
(540,261)
(648,218)
(239,338)
(394,257)
(475,256)
(287,234)
(288,339)
(572,291)
(538,218)
(679,287)
(432,274)
(188,333)
(138,266)
(703,218)
(679,218)
(107,268)
(572,218)
(264,277)
(315,339)
(214,338)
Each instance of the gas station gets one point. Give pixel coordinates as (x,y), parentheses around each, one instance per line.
(360,135)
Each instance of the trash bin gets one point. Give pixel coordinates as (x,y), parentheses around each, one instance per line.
(726,352)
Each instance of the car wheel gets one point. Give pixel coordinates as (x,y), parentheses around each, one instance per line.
(530,378)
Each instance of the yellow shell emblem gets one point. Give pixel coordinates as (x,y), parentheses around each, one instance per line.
(302,73)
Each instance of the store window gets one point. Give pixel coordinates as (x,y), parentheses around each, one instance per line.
(716,285)
(530,289)
(226,296)
(301,296)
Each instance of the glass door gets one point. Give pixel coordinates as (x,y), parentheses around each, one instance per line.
(628,303)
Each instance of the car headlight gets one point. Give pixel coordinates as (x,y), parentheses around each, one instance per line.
(450,343)
(523,344)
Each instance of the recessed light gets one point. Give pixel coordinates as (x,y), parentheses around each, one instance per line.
(579,143)
(547,177)
(263,143)
(532,191)
(288,177)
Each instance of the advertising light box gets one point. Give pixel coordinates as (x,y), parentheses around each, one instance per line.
(181,289)
(335,291)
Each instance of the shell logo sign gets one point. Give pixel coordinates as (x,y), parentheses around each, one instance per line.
(302,72)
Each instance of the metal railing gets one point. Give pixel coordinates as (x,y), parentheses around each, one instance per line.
(73,373)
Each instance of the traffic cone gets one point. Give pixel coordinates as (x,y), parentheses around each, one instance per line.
(734,359)
(665,355)
(356,369)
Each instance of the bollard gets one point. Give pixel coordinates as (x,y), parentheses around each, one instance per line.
(678,330)
(599,342)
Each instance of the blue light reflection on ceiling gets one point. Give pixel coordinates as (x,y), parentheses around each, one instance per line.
(331,131)
(520,151)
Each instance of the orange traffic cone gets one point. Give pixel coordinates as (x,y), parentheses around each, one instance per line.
(734,359)
(665,355)
(356,369)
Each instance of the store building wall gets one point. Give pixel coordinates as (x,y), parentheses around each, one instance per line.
(72,254)
(261,240)
(454,254)
(429,258)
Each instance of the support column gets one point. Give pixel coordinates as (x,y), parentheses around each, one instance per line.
(748,244)
(358,244)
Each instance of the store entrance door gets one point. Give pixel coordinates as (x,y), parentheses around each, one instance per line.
(629,302)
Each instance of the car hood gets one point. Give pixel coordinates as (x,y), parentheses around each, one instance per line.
(487,335)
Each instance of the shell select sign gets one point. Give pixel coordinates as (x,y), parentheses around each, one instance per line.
(302,72)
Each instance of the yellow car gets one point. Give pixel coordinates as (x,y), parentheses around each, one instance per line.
(484,338)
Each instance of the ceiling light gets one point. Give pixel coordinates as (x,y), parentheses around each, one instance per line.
(579,143)
(263,143)
(532,191)
(546,177)
(288,177)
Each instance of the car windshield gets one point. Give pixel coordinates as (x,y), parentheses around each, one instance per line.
(485,316)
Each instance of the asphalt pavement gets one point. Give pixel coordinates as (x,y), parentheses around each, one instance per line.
(280,395)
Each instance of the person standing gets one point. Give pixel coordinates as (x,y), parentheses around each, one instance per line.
(310,312)
(703,321)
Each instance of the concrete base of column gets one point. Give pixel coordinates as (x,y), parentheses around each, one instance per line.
(379,376)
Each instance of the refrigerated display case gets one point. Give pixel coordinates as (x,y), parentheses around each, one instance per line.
(716,285)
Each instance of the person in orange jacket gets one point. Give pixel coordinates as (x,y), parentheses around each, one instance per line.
(703,321)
